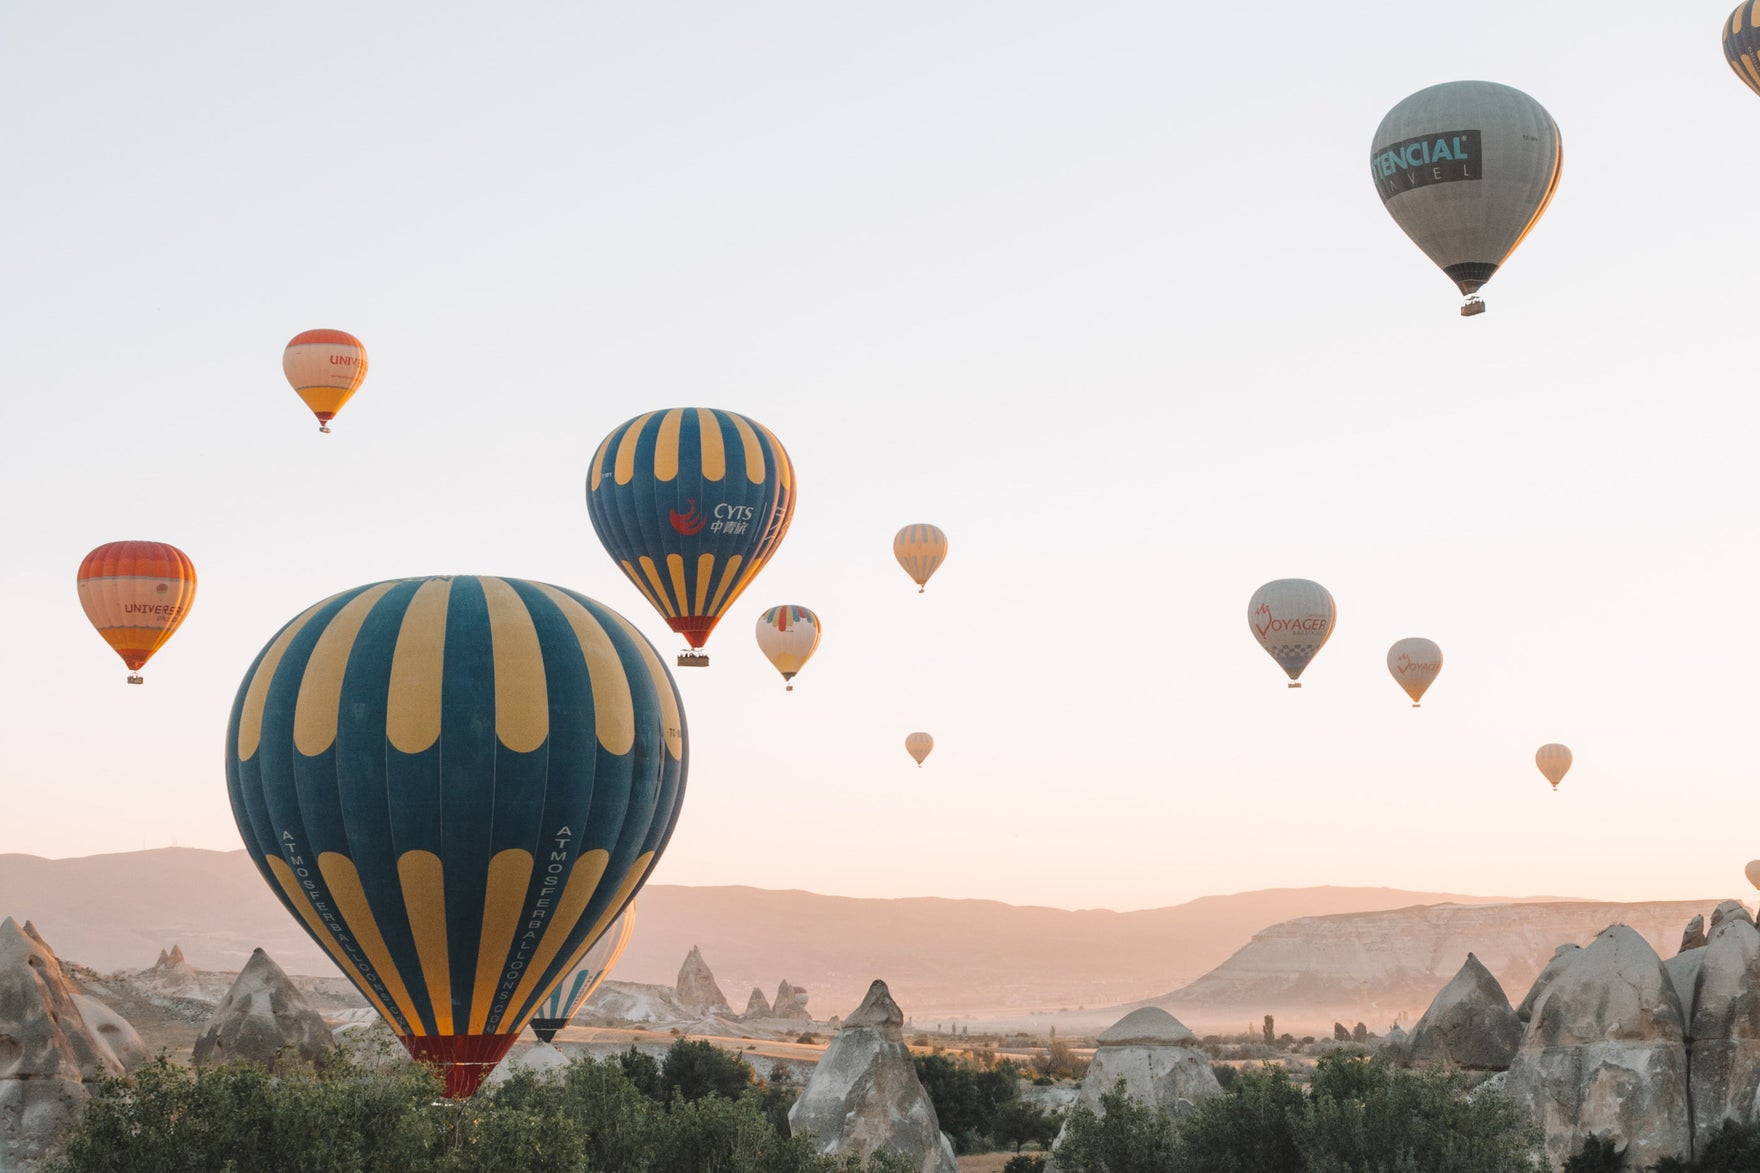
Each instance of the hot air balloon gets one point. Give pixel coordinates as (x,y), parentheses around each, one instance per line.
(1741,43)
(566,1000)
(691,503)
(918,746)
(788,636)
(1554,761)
(326,367)
(1752,871)
(1466,169)
(1292,619)
(920,549)
(1415,664)
(137,595)
(456,785)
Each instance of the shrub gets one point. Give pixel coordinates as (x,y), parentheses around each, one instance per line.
(1023,1163)
(1128,1138)
(693,1070)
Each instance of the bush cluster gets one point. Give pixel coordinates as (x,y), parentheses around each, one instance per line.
(979,1104)
(1357,1116)
(697,1110)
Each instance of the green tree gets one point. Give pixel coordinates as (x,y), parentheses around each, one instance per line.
(1251,1128)
(1016,1122)
(1126,1137)
(694,1069)
(1364,1114)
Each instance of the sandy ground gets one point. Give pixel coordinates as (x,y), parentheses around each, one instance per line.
(984,1163)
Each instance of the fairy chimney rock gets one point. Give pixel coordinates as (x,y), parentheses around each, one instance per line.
(696,988)
(263,1019)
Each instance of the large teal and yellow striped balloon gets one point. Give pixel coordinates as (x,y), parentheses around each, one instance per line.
(1741,43)
(456,785)
(691,503)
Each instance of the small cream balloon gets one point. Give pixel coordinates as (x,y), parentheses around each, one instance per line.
(920,548)
(788,636)
(1554,761)
(1415,663)
(918,746)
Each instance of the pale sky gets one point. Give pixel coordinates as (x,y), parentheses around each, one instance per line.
(1103,290)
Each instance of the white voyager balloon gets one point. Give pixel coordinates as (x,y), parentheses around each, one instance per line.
(1292,619)
(1415,663)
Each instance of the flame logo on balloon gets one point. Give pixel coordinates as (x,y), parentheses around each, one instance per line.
(687,523)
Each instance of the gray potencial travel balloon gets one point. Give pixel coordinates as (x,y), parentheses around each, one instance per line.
(1466,169)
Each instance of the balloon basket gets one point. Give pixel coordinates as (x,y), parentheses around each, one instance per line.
(1416,705)
(1472,306)
(137,679)
(325,428)
(693,659)
(790,688)
(1295,684)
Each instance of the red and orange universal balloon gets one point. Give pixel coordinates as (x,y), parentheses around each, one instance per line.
(326,368)
(136,594)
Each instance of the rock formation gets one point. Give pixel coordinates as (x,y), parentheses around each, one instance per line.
(263,1019)
(1561,957)
(757,1006)
(1394,1042)
(696,988)
(114,1031)
(542,1058)
(1604,1055)
(791,1002)
(864,1094)
(1723,1032)
(1693,937)
(1470,1024)
(1726,910)
(173,969)
(47,1051)
(1159,1060)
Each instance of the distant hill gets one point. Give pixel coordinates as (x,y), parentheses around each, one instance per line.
(941,957)
(1378,967)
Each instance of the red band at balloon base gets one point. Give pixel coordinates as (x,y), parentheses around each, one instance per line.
(462,1062)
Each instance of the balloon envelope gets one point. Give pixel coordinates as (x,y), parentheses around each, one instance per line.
(1741,43)
(1752,871)
(1415,663)
(456,785)
(137,594)
(921,549)
(788,636)
(1466,169)
(691,503)
(326,368)
(1292,619)
(566,1000)
(918,746)
(1554,761)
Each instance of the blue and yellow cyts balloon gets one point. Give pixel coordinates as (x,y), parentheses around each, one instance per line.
(456,785)
(691,503)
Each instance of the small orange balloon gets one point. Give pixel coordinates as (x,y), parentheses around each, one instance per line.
(326,367)
(136,594)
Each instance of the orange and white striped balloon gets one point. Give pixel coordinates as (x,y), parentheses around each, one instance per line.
(920,549)
(137,595)
(918,746)
(326,367)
